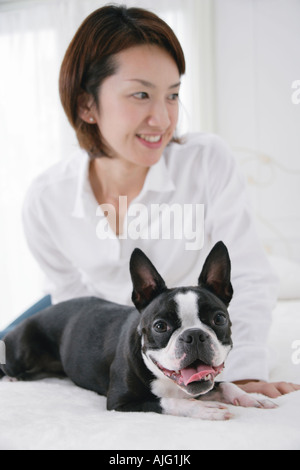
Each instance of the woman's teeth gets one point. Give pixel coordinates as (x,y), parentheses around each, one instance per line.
(150,138)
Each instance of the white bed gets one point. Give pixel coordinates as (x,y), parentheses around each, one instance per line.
(55,414)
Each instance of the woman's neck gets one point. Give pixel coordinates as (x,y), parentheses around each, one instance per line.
(111,178)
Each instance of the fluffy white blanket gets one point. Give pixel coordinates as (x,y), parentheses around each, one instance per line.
(55,414)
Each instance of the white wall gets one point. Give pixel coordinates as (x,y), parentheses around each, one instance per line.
(257,60)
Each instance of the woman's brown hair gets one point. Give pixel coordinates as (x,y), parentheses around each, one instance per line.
(89,59)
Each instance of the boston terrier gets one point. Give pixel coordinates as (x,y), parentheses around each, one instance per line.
(163,356)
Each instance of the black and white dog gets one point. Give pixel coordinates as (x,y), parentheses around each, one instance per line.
(162,356)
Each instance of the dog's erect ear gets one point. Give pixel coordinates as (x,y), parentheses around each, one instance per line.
(147,282)
(215,275)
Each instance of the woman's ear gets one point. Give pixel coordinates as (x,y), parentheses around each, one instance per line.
(86,108)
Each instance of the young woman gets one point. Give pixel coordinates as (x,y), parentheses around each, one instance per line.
(133,183)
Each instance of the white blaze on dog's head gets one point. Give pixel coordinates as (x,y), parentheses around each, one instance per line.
(187,310)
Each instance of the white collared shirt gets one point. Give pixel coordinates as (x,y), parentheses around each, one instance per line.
(75,248)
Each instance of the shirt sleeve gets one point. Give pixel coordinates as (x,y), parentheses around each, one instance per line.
(63,279)
(229,218)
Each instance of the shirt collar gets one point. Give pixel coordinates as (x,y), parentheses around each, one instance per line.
(158,179)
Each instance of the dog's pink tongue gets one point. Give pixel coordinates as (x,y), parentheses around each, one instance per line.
(193,374)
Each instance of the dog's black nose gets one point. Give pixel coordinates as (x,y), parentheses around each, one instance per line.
(193,336)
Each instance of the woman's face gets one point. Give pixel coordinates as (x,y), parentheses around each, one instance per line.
(137,110)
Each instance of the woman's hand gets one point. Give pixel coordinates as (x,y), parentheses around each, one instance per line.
(272,390)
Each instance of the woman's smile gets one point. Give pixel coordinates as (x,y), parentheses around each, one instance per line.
(151,141)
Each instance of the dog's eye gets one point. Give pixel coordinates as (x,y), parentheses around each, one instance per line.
(220,319)
(160,326)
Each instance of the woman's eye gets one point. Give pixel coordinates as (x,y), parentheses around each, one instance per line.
(141,96)
(174,97)
(160,326)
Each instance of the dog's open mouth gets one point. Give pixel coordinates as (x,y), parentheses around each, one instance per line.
(195,372)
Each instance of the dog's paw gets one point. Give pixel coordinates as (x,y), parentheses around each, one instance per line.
(193,408)
(212,411)
(248,401)
(6,378)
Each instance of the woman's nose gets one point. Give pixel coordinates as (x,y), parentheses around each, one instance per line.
(159,116)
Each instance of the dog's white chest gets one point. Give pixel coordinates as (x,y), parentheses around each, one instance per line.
(164,387)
